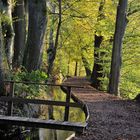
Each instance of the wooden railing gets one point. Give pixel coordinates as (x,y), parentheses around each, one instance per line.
(12,99)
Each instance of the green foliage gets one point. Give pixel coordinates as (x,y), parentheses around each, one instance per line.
(3,12)
(79,25)
(34,76)
(130,73)
(5,19)
(29,89)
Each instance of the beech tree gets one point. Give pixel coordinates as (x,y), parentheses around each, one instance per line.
(54,42)
(1,62)
(1,53)
(51,49)
(7,27)
(36,31)
(86,65)
(85,62)
(97,68)
(121,22)
(70,52)
(20,33)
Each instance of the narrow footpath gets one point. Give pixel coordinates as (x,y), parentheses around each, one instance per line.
(111,118)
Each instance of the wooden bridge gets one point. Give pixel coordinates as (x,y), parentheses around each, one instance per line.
(36,122)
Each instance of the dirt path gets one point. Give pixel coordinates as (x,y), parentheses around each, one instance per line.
(111,118)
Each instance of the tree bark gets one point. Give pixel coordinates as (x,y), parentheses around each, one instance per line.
(68,66)
(97,68)
(51,49)
(86,66)
(1,62)
(7,28)
(96,73)
(76,68)
(121,22)
(54,49)
(36,32)
(20,33)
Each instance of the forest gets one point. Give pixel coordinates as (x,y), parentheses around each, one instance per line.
(49,40)
(66,54)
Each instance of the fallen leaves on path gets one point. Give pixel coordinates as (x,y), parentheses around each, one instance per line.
(111,118)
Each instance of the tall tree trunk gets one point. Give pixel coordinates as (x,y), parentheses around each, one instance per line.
(97,68)
(1,62)
(26,5)
(20,33)
(85,62)
(76,68)
(9,32)
(36,32)
(51,48)
(86,66)
(96,73)
(68,66)
(121,22)
(54,49)
(49,55)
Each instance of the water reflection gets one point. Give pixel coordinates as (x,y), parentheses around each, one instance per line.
(48,134)
(76,115)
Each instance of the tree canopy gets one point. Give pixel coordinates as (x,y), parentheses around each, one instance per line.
(61,38)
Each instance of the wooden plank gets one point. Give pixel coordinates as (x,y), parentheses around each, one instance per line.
(38,101)
(39,123)
(47,84)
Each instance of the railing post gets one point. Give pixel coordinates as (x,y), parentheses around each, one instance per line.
(10,103)
(68,96)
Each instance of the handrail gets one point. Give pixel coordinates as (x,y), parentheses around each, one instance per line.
(77,100)
(47,84)
(38,101)
(10,99)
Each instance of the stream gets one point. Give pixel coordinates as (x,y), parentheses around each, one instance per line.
(76,115)
(57,113)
